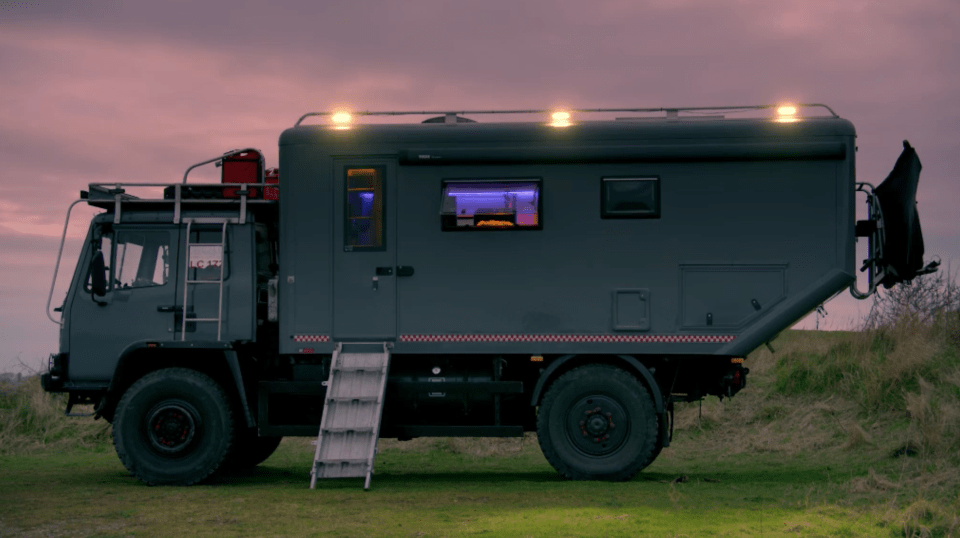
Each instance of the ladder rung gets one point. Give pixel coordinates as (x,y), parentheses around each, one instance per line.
(341,461)
(357,368)
(203,282)
(191,320)
(367,429)
(205,244)
(354,398)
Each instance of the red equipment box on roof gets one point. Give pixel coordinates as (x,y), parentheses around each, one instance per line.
(245,167)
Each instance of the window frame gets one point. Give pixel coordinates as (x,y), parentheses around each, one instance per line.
(114,276)
(606,213)
(538,181)
(382,174)
(96,245)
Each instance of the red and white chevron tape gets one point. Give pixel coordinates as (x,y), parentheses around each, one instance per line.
(574,338)
(311,338)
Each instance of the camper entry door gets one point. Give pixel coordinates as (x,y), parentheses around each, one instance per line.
(365,250)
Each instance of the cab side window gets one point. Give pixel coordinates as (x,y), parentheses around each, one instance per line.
(141,259)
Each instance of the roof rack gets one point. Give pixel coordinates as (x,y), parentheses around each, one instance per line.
(114,196)
(670,112)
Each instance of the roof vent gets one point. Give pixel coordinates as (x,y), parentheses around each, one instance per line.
(450,118)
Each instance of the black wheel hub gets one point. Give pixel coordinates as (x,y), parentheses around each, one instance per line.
(597,425)
(172,426)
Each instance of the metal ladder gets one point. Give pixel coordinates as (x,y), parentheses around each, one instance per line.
(350,426)
(186,273)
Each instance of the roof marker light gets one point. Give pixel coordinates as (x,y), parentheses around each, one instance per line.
(787,114)
(561,118)
(341,120)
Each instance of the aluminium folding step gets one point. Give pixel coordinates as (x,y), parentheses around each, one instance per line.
(350,426)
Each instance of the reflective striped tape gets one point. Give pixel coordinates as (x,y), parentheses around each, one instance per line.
(311,338)
(573,338)
(562,338)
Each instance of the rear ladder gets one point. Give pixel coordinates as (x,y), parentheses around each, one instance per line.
(353,405)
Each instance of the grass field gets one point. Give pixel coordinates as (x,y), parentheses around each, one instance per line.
(838,434)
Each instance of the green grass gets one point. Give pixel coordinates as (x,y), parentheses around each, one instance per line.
(437,493)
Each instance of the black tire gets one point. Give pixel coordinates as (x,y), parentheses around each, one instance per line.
(173,427)
(597,422)
(250,450)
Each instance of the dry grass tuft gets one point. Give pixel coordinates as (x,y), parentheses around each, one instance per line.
(31,418)
(856,436)
(924,519)
(871,483)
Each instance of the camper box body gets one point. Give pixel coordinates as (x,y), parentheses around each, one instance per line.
(751,228)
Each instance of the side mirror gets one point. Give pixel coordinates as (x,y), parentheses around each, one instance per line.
(98,275)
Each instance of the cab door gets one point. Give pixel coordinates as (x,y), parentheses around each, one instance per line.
(364,254)
(141,282)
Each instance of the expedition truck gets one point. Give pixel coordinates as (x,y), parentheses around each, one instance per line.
(460,278)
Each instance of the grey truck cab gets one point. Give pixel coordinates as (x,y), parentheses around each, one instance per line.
(461,278)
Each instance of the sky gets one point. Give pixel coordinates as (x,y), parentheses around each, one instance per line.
(137,91)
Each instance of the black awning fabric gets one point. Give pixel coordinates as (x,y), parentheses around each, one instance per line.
(903,242)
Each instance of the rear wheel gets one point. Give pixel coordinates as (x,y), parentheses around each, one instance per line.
(598,422)
(173,426)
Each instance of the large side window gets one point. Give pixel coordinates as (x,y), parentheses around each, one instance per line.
(491,204)
(141,259)
(364,211)
(630,197)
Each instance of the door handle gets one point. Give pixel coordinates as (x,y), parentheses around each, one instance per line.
(384,271)
(404,270)
(169,308)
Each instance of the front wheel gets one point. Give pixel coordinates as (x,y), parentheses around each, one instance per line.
(173,426)
(597,422)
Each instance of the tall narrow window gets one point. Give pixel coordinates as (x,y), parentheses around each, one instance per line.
(491,205)
(364,212)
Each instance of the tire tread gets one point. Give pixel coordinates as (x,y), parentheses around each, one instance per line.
(579,375)
(190,376)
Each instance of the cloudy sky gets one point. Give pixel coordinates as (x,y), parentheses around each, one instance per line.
(137,91)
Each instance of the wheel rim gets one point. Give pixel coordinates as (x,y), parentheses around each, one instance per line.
(172,426)
(597,425)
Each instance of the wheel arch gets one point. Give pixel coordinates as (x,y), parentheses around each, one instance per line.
(565,363)
(219,361)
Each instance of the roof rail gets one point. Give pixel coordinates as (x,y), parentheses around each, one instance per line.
(668,110)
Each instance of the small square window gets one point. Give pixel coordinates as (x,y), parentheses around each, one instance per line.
(491,205)
(630,197)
